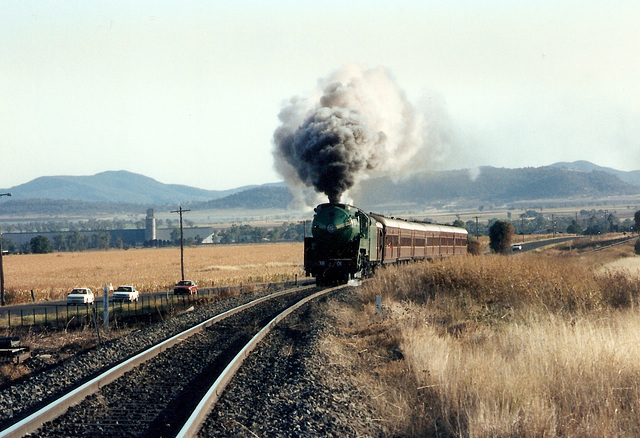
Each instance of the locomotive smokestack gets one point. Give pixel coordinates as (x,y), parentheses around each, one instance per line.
(358,122)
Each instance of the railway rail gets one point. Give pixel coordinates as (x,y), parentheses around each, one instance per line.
(164,391)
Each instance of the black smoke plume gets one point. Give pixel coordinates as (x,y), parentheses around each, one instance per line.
(358,123)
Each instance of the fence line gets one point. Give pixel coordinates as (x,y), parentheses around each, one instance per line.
(74,316)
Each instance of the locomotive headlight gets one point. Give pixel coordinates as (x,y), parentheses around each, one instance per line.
(331,228)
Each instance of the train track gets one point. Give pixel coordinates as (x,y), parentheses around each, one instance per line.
(168,389)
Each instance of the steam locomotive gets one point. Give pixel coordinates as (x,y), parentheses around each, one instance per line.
(347,243)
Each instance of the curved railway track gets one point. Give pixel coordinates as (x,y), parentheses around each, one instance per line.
(168,389)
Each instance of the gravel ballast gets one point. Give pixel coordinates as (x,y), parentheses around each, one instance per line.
(24,397)
(285,388)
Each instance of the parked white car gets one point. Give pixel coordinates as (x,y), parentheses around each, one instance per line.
(126,293)
(80,295)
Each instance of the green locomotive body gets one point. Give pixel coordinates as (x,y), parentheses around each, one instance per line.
(347,242)
(343,240)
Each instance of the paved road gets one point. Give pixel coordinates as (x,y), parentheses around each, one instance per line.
(38,306)
(529,246)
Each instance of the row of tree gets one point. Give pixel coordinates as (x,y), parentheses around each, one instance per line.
(532,222)
(501,233)
(74,241)
(247,233)
(77,241)
(87,225)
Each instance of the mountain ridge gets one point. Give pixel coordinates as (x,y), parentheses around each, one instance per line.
(115,186)
(631,177)
(494,185)
(114,192)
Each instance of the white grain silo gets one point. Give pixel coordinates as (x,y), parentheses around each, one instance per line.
(150,228)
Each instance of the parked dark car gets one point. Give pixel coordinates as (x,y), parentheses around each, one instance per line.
(185,287)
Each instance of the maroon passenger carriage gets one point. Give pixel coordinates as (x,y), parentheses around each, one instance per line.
(401,240)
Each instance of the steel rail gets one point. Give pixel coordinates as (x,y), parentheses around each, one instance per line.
(59,406)
(208,401)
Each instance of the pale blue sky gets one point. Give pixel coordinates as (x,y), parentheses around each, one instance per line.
(188,92)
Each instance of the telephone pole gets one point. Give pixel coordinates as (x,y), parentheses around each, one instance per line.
(1,266)
(181,210)
(477,234)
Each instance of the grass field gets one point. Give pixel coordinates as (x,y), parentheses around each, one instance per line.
(52,276)
(526,345)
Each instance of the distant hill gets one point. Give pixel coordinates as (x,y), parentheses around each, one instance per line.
(632,177)
(121,192)
(267,196)
(494,185)
(114,186)
(261,197)
(115,193)
(26,209)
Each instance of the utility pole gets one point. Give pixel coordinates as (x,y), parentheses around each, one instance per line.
(181,210)
(1,265)
(477,234)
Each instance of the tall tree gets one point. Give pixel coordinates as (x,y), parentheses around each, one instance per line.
(636,218)
(101,240)
(500,236)
(41,245)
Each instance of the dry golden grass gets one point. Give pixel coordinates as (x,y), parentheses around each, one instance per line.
(52,276)
(494,346)
(549,377)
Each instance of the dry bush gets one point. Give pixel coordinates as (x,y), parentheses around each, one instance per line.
(474,247)
(493,285)
(619,289)
(10,372)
